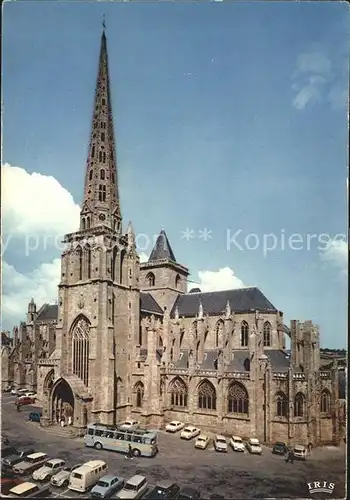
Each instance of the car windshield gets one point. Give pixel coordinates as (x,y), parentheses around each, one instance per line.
(201,439)
(103,484)
(188,429)
(129,486)
(237,440)
(221,440)
(67,469)
(279,445)
(50,465)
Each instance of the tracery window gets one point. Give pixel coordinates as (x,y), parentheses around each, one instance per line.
(238,400)
(101,192)
(325,401)
(81,347)
(178,393)
(267,334)
(299,405)
(244,334)
(140,392)
(281,405)
(206,396)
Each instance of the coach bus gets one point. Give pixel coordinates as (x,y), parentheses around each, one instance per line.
(143,442)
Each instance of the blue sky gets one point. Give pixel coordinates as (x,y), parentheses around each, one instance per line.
(228,116)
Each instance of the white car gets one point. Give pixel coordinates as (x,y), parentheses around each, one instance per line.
(14,392)
(299,452)
(253,446)
(237,443)
(129,425)
(50,468)
(220,443)
(30,394)
(202,442)
(174,426)
(62,477)
(189,432)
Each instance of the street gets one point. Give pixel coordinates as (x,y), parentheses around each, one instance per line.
(233,475)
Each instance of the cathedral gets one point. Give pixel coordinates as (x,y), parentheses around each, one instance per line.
(126,339)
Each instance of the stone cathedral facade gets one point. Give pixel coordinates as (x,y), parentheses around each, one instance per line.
(126,339)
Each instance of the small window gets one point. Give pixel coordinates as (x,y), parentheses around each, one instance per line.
(102,174)
(112,172)
(104,157)
(102,136)
(90,175)
(93,151)
(103,102)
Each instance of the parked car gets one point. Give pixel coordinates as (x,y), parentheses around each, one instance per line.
(202,442)
(135,487)
(8,388)
(30,394)
(237,444)
(164,490)
(24,400)
(30,463)
(15,458)
(188,493)
(279,448)
(61,478)
(48,469)
(253,446)
(34,416)
(129,425)
(14,392)
(220,444)
(189,432)
(174,426)
(106,486)
(30,490)
(300,452)
(8,481)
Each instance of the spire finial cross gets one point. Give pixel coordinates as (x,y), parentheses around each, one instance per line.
(104,22)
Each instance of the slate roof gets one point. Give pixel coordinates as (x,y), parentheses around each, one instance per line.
(48,312)
(148,304)
(279,360)
(162,249)
(214,303)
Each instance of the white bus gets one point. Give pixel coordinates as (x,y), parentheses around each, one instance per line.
(87,475)
(143,442)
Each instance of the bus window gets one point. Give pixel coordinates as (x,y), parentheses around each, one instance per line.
(91,432)
(98,432)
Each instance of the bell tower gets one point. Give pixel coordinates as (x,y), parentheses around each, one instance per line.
(99,288)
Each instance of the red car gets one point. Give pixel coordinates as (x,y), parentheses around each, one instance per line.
(8,481)
(25,400)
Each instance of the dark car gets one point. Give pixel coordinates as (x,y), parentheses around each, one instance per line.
(34,416)
(165,490)
(279,449)
(14,459)
(188,493)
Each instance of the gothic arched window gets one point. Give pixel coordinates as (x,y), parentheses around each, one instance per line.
(80,257)
(281,405)
(83,224)
(267,334)
(104,157)
(237,400)
(112,172)
(81,347)
(140,335)
(206,396)
(102,174)
(244,334)
(103,136)
(93,151)
(178,393)
(88,262)
(177,281)
(150,279)
(101,192)
(114,263)
(325,401)
(299,405)
(140,392)
(91,173)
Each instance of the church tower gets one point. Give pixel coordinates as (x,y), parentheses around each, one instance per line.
(99,288)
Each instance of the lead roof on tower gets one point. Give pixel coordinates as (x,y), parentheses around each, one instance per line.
(162,249)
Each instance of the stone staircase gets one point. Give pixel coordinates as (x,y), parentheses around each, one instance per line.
(64,432)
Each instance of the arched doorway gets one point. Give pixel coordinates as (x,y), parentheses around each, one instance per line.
(62,402)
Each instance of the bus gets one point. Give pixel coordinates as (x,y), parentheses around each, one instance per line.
(100,436)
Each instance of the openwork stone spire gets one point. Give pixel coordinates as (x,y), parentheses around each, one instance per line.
(101,196)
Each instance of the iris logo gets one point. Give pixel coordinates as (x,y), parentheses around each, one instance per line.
(321,487)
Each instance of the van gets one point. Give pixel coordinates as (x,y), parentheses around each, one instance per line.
(87,475)
(135,487)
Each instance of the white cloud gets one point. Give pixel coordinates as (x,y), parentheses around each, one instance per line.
(41,284)
(223,279)
(33,203)
(143,257)
(336,254)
